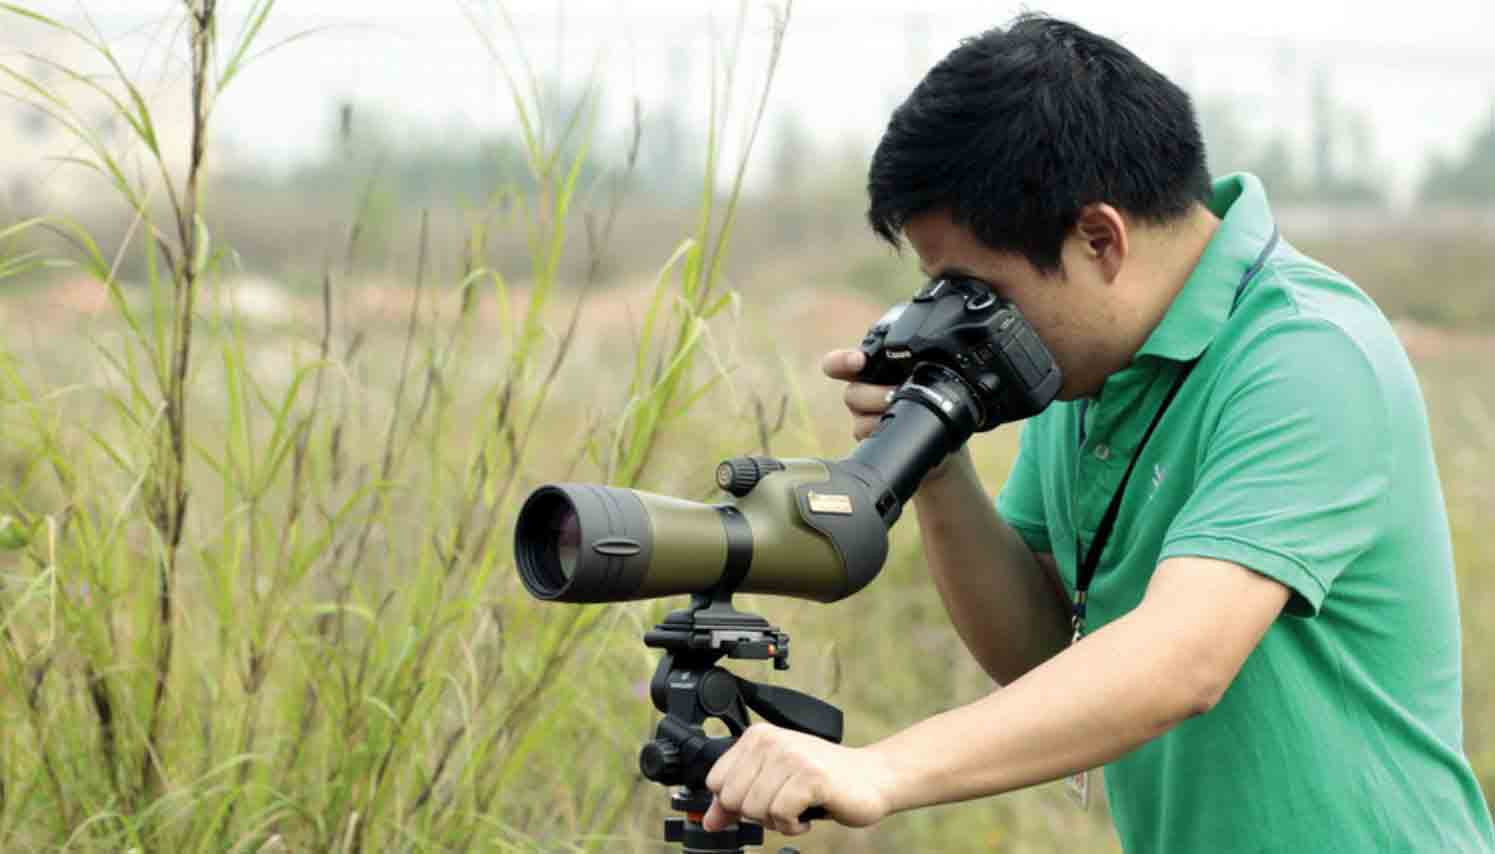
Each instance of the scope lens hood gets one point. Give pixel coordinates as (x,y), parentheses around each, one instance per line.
(583,542)
(547,539)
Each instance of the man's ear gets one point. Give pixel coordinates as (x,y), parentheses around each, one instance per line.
(1102,231)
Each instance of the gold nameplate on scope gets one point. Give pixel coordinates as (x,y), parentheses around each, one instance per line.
(821,502)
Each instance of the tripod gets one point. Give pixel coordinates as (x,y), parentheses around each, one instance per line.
(689,689)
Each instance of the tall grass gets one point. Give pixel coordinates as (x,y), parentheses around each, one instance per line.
(254,610)
(256,591)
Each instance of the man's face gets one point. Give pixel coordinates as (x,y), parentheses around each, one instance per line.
(1068,310)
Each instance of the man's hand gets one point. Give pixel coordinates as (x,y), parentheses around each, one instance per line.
(865,401)
(772,775)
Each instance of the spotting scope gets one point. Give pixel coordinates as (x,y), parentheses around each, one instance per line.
(962,360)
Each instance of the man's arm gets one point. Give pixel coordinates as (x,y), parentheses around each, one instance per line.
(1004,600)
(1169,659)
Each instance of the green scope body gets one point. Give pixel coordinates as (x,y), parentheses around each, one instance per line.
(602,544)
(807,528)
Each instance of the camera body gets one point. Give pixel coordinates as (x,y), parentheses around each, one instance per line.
(983,342)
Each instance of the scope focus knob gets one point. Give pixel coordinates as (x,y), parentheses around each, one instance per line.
(739,475)
(659,760)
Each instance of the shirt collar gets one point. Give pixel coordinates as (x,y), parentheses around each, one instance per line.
(1200,309)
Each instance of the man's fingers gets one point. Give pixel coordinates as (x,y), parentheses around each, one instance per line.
(718,775)
(742,777)
(784,811)
(771,779)
(866,402)
(843,364)
(863,399)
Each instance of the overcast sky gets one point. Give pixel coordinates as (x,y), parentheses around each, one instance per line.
(1423,74)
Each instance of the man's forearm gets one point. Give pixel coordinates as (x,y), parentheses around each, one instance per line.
(1081,709)
(1001,601)
(1170,658)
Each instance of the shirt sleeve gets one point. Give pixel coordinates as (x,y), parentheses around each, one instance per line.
(1293,479)
(1020,500)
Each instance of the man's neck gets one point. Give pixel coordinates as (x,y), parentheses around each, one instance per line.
(1167,255)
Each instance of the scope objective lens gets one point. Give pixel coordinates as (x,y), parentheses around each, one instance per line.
(550,538)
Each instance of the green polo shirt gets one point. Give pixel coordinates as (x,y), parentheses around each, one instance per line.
(1299,448)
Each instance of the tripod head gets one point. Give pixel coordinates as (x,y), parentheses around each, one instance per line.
(689,688)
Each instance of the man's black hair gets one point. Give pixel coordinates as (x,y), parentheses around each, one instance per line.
(1018,129)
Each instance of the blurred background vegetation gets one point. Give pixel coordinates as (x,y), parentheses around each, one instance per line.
(264,426)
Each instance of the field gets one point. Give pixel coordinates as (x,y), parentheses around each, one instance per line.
(379,656)
(256,580)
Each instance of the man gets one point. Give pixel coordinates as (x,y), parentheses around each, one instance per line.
(1268,648)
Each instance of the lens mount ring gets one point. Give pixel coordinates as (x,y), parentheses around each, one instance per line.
(944,392)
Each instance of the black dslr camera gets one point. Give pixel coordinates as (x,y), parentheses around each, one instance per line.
(965,354)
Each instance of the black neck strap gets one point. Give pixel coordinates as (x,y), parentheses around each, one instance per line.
(1085,569)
